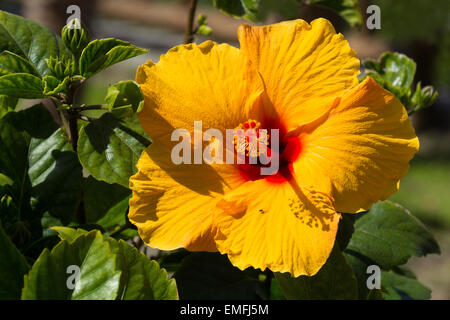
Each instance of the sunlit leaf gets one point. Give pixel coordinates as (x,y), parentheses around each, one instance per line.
(13,63)
(99,276)
(102,53)
(69,234)
(124,98)
(395,68)
(5,180)
(52,85)
(21,85)
(141,279)
(395,72)
(30,40)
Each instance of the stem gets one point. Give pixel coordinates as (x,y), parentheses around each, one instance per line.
(81,213)
(90,107)
(189,31)
(72,119)
(268,281)
(73,129)
(121,229)
(73,135)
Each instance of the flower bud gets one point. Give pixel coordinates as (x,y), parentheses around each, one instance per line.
(74,36)
(61,69)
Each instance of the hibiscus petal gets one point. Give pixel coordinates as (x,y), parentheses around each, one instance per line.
(172,205)
(280,227)
(304,66)
(207,82)
(362,148)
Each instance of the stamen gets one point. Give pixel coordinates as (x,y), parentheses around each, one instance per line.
(242,142)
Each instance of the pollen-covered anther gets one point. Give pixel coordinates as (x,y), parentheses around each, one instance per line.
(247,132)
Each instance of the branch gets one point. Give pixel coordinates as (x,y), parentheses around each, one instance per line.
(121,229)
(73,130)
(90,107)
(189,31)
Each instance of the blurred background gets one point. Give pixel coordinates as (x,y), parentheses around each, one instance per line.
(418,28)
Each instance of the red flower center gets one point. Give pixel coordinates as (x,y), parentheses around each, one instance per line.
(290,148)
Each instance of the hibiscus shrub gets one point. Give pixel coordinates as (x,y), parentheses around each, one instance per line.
(64,190)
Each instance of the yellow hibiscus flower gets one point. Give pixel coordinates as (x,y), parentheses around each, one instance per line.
(343,146)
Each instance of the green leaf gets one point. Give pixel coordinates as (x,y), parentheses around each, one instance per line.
(18,218)
(7,104)
(13,160)
(141,279)
(99,277)
(34,250)
(102,53)
(69,234)
(23,223)
(334,281)
(48,222)
(345,230)
(48,239)
(13,63)
(5,180)
(375,294)
(8,209)
(117,217)
(204,30)
(13,267)
(395,72)
(203,27)
(275,291)
(105,204)
(21,85)
(109,148)
(399,287)
(422,98)
(247,9)
(389,235)
(31,41)
(359,266)
(212,276)
(56,176)
(171,260)
(397,69)
(53,86)
(35,121)
(347,9)
(124,99)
